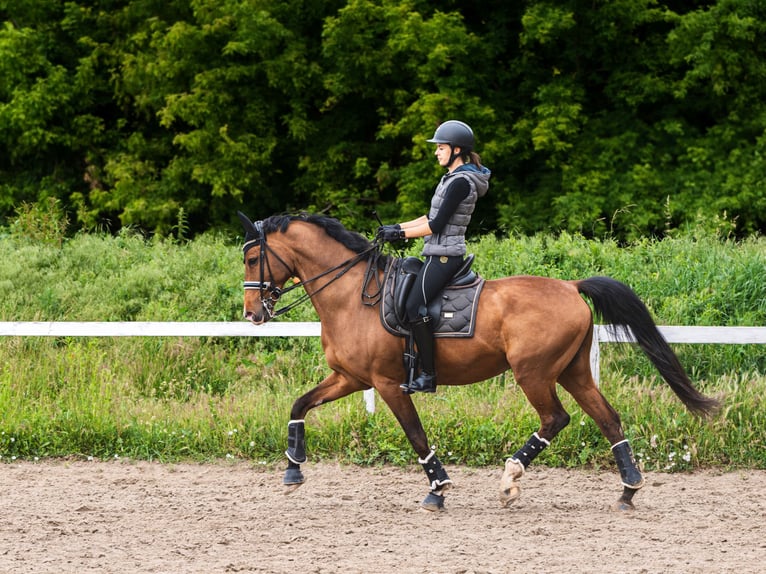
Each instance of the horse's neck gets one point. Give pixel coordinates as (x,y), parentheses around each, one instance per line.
(314,259)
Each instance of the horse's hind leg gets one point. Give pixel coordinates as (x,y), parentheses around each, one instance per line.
(553,418)
(578,381)
(332,388)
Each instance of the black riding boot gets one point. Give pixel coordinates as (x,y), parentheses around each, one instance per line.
(425,382)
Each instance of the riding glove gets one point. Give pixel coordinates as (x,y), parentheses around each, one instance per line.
(391,233)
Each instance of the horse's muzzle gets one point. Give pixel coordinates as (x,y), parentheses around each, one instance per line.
(258,310)
(253,317)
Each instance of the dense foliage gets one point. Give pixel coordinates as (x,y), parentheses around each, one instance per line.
(619,116)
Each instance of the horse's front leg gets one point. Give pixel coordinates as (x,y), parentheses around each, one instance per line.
(404,410)
(334,387)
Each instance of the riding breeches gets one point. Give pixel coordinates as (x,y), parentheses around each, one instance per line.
(433,276)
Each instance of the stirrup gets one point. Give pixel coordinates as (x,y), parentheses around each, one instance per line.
(424,383)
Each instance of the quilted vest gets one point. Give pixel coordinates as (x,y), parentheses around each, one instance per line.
(451,240)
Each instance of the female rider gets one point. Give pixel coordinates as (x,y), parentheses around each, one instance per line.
(444,230)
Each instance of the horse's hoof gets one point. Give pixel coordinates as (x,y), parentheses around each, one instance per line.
(622,506)
(293,477)
(510,490)
(625,502)
(509,495)
(433,502)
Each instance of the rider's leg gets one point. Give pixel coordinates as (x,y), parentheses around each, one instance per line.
(425,382)
(434,275)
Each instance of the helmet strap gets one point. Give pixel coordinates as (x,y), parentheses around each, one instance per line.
(453,156)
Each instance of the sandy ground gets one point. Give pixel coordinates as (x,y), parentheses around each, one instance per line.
(135,517)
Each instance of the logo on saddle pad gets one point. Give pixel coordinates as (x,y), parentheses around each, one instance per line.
(453,311)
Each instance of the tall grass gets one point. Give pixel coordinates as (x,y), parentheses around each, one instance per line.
(207,398)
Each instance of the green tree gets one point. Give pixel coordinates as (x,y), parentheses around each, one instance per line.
(48,102)
(393,71)
(626,117)
(229,88)
(633,122)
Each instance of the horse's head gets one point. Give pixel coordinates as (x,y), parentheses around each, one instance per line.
(266,273)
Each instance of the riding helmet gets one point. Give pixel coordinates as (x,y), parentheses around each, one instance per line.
(454,133)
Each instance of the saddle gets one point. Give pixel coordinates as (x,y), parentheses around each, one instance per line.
(453,311)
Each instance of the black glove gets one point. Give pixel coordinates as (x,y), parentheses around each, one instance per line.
(391,233)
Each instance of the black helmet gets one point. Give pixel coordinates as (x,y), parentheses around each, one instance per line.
(454,133)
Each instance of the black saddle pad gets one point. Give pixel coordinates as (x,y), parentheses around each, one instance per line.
(453,311)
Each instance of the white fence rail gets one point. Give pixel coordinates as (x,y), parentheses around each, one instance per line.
(158,329)
(602,334)
(675,334)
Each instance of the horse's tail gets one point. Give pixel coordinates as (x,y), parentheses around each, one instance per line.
(617,304)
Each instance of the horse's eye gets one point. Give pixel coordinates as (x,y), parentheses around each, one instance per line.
(252,261)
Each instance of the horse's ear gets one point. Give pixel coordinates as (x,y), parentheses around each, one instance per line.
(250,230)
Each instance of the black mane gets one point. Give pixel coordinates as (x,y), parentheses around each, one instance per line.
(354,241)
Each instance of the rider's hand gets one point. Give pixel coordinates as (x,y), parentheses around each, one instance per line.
(391,233)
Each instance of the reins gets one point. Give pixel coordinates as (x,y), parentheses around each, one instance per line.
(372,254)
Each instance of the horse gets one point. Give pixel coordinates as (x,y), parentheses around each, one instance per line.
(539,328)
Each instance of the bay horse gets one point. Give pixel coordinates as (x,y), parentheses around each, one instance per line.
(540,328)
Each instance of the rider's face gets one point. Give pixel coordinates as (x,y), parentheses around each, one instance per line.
(443,153)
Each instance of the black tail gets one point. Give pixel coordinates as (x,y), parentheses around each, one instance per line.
(617,304)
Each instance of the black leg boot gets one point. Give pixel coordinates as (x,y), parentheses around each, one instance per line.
(425,382)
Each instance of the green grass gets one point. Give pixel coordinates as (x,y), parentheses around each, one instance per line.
(201,398)
(172,399)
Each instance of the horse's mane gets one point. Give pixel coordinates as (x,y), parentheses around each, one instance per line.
(354,241)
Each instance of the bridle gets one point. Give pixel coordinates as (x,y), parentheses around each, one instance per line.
(270,293)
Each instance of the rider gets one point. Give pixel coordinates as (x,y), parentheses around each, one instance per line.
(444,230)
